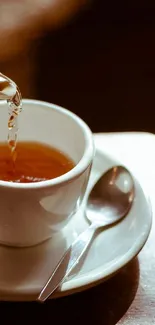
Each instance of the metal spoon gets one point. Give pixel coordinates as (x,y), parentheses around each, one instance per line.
(109,201)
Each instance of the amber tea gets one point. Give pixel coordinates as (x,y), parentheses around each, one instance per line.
(35,162)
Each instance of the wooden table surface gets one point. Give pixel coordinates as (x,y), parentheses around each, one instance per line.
(128,297)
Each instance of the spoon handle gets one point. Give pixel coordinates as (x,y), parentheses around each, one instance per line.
(67,263)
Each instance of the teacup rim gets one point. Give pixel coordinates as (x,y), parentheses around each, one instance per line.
(79,168)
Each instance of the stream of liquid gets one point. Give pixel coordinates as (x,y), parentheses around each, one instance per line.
(10,92)
(15,107)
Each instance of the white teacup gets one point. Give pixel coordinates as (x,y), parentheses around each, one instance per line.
(31,212)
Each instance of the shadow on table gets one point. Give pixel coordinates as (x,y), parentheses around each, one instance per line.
(103,304)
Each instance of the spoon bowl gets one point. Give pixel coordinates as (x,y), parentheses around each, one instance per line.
(111,197)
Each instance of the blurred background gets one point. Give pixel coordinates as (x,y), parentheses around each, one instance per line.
(94,57)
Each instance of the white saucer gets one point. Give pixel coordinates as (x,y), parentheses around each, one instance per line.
(23,272)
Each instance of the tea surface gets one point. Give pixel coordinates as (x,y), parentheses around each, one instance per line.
(34,162)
